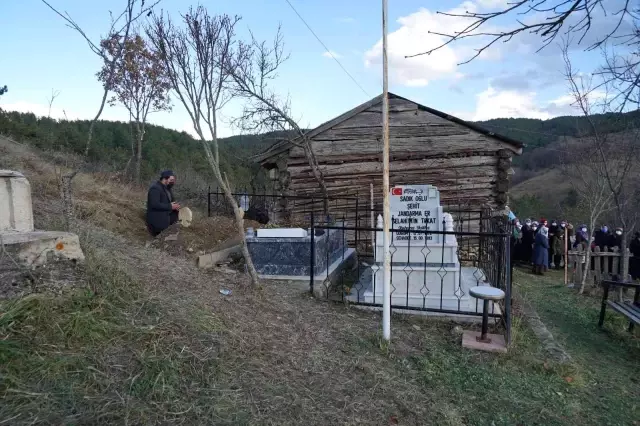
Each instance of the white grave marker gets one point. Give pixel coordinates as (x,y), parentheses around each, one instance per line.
(416,207)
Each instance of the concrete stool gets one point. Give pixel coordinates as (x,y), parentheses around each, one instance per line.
(485,341)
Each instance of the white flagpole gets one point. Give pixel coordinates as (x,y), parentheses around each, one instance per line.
(386,272)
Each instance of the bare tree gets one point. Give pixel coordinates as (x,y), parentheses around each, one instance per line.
(197,59)
(139,82)
(602,175)
(120,25)
(255,68)
(545,18)
(620,73)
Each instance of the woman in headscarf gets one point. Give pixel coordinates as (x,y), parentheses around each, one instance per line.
(528,235)
(541,251)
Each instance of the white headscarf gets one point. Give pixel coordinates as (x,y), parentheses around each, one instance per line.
(544,231)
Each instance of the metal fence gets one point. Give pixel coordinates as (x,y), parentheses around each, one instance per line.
(283,209)
(432,271)
(427,276)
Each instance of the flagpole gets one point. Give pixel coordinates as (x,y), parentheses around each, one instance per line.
(386,272)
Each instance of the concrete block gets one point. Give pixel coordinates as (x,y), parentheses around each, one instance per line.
(36,248)
(470,341)
(210,260)
(16,213)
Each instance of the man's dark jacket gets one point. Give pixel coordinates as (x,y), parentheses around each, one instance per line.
(159,212)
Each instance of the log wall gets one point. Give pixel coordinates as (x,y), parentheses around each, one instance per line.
(469,168)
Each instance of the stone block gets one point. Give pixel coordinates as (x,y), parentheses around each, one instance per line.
(16,213)
(210,260)
(470,341)
(39,262)
(39,247)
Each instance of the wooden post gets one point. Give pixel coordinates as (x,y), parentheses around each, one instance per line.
(579,265)
(386,275)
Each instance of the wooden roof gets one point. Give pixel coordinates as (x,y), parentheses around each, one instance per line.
(284,145)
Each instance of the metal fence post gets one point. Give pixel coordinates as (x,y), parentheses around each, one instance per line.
(356,231)
(312,254)
(209,201)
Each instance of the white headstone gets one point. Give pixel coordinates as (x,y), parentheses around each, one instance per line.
(282,233)
(416,207)
(244,202)
(16,213)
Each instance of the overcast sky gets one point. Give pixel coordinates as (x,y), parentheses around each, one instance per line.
(41,54)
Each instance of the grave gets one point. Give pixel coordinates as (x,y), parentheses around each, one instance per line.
(285,254)
(33,260)
(425,269)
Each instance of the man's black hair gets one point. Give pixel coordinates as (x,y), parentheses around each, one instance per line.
(166,174)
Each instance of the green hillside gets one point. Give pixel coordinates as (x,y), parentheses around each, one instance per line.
(539,133)
(166,148)
(111,146)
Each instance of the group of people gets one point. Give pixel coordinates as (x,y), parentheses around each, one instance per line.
(542,244)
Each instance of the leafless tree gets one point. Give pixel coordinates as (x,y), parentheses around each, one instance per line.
(255,68)
(602,172)
(545,18)
(620,73)
(197,58)
(121,25)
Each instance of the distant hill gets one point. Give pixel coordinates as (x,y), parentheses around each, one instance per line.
(166,148)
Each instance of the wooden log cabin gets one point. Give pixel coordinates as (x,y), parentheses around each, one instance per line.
(471,166)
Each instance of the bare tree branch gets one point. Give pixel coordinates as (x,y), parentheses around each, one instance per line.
(548,18)
(603,176)
(256,67)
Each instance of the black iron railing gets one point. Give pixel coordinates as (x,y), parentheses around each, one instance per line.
(432,271)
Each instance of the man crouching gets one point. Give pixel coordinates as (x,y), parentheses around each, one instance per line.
(162,210)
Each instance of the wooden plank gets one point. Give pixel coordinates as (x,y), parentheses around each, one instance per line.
(399,166)
(415,143)
(628,310)
(413,176)
(444,185)
(395,156)
(395,105)
(397,119)
(397,132)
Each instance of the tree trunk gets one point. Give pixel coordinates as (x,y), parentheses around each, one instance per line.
(317,174)
(587,265)
(140,136)
(215,167)
(66,193)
